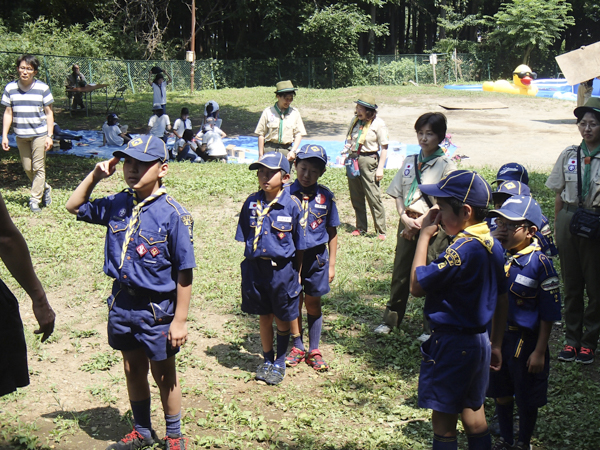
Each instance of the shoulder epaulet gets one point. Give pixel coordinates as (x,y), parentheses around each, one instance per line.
(329,191)
(176,206)
(296,200)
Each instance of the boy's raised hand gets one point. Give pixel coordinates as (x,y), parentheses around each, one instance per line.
(430,223)
(105,169)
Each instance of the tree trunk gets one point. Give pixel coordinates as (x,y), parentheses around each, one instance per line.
(402,30)
(527,55)
(372,33)
(442,16)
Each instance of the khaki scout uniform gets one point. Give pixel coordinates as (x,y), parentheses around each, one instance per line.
(579,257)
(268,126)
(431,172)
(365,185)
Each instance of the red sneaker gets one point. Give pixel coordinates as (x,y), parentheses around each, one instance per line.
(295,357)
(315,360)
(358,233)
(569,353)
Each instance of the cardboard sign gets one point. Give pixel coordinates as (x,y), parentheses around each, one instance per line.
(580,65)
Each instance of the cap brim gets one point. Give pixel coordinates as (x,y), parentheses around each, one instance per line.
(135,154)
(507,214)
(581,110)
(433,190)
(365,104)
(255,165)
(305,156)
(498,195)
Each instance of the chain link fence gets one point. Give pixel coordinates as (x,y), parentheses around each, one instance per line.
(217,74)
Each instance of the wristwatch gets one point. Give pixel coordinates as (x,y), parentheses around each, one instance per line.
(51,136)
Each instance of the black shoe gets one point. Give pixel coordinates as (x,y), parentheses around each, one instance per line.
(263,371)
(133,441)
(275,376)
(585,356)
(568,354)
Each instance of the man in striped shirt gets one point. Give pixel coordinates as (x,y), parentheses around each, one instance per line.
(29,109)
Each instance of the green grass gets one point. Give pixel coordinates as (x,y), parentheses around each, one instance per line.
(367,401)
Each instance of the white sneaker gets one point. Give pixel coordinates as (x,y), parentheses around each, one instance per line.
(423,337)
(383,329)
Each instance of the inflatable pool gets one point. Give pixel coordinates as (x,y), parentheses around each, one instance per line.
(547,88)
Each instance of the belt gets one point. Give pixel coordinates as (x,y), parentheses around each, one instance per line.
(572,207)
(141,292)
(277,145)
(458,330)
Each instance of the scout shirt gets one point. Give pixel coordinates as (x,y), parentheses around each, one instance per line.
(268,126)
(377,135)
(563,178)
(280,232)
(533,288)
(463,284)
(320,211)
(431,172)
(161,243)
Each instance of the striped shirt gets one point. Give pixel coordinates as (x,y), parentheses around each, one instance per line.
(29,118)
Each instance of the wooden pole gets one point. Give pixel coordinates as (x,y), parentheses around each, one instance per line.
(193,46)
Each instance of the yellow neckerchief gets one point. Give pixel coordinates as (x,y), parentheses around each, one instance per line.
(134,222)
(362,131)
(526,251)
(305,199)
(261,215)
(481,233)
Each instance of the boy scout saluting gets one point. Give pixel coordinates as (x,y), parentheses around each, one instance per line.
(280,128)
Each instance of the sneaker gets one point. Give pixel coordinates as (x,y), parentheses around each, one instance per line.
(295,357)
(176,442)
(357,233)
(522,446)
(383,329)
(501,444)
(263,371)
(381,237)
(315,360)
(585,356)
(47,197)
(132,441)
(275,375)
(424,337)
(34,206)
(568,354)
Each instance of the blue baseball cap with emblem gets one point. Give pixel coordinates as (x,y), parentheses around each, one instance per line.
(312,151)
(146,148)
(514,172)
(508,189)
(520,207)
(464,185)
(272,160)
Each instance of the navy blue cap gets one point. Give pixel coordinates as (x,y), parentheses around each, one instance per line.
(512,171)
(520,207)
(312,151)
(145,148)
(464,185)
(510,188)
(272,160)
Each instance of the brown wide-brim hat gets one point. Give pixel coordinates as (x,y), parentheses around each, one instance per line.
(593,104)
(368,101)
(284,87)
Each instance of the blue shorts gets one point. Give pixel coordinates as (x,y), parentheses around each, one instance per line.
(315,271)
(270,287)
(454,371)
(530,390)
(141,322)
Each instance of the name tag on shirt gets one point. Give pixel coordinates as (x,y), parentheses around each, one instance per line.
(286,219)
(320,206)
(526,281)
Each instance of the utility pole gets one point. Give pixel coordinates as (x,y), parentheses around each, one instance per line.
(193,46)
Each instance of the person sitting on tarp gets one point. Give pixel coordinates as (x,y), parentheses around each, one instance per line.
(114,133)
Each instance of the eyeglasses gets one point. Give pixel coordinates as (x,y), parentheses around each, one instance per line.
(584,125)
(510,226)
(26,69)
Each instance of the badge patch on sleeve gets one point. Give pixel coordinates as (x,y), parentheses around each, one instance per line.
(281,235)
(252,205)
(551,284)
(452,257)
(154,252)
(442,265)
(141,249)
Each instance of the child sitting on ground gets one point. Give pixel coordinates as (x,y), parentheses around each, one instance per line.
(149,253)
(212,147)
(533,306)
(465,289)
(320,221)
(269,225)
(181,124)
(113,133)
(159,123)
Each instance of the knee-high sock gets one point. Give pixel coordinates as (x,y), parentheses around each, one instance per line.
(505,420)
(173,424)
(315,325)
(297,341)
(141,417)
(480,441)
(283,339)
(527,420)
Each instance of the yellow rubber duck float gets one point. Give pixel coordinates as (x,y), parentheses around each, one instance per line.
(522,78)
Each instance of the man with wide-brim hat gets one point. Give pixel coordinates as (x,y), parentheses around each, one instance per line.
(280,128)
(367,140)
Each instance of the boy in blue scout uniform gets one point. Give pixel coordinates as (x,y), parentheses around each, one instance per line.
(320,221)
(269,225)
(149,253)
(465,289)
(534,305)
(516,173)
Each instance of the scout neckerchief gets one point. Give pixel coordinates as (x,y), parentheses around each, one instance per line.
(134,222)
(261,213)
(526,251)
(587,173)
(305,199)
(363,129)
(282,114)
(415,183)
(480,232)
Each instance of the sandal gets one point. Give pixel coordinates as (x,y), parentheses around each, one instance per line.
(295,357)
(315,360)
